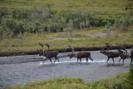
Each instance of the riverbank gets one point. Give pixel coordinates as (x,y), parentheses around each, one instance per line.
(86,39)
(64,50)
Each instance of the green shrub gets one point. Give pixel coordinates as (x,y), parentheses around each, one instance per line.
(130,78)
(46,19)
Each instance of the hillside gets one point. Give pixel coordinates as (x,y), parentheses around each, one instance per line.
(23,20)
(99,6)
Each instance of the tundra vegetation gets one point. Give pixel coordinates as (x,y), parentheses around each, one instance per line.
(24,24)
(122,81)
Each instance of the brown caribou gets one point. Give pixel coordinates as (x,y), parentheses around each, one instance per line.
(123,54)
(50,55)
(80,55)
(110,54)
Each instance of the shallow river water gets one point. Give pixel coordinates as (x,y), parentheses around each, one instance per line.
(29,68)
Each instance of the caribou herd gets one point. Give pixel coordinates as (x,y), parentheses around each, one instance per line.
(120,53)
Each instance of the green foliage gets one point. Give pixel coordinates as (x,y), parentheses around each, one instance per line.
(37,16)
(131,75)
(122,23)
(117,82)
(44,20)
(129,80)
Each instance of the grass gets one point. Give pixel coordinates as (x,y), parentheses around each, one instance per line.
(117,82)
(94,37)
(111,7)
(84,38)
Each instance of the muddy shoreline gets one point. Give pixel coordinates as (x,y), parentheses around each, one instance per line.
(65,50)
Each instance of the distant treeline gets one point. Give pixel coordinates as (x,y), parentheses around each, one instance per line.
(41,20)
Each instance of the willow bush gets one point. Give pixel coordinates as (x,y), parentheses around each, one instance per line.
(45,19)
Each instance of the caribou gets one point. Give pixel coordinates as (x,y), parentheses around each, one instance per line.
(80,55)
(123,54)
(49,55)
(110,54)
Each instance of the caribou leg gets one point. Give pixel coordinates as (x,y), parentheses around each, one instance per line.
(56,59)
(131,60)
(123,60)
(113,60)
(77,59)
(108,60)
(119,60)
(91,58)
(50,60)
(80,59)
(86,59)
